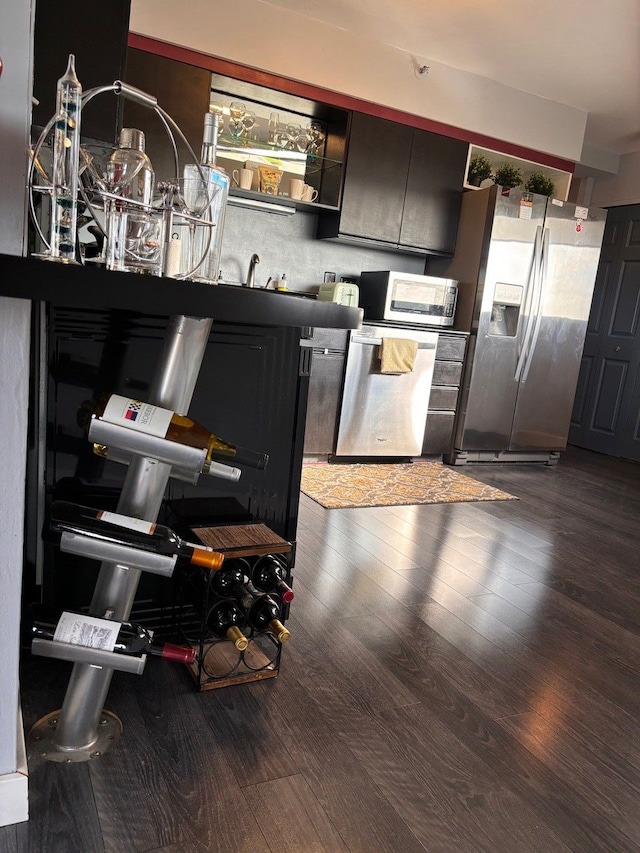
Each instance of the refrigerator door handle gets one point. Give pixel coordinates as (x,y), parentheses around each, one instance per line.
(538,311)
(532,285)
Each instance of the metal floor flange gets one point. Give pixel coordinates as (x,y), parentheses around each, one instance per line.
(42,739)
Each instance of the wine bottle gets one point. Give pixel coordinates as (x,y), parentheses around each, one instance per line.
(133,532)
(261,610)
(225,581)
(266,575)
(121,637)
(153,420)
(224,620)
(206,188)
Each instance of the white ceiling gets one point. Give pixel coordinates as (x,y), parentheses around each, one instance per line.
(583,53)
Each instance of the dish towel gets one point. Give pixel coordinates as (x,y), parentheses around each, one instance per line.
(397,355)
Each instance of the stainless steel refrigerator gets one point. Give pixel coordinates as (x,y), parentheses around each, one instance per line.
(526,266)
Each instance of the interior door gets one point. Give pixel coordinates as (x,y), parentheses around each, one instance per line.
(571,242)
(606,409)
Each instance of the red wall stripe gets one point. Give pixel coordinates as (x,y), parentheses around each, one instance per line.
(336,99)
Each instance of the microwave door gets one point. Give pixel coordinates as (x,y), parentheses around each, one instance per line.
(421,302)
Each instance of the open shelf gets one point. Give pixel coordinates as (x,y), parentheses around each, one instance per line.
(560,178)
(304,139)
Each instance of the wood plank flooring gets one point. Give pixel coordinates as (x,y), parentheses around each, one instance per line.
(461,678)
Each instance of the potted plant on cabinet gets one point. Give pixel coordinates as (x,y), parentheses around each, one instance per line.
(479,170)
(508,176)
(539,183)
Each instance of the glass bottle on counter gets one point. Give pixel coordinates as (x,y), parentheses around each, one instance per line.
(206,189)
(153,420)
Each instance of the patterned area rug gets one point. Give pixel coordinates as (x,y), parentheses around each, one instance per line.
(339,486)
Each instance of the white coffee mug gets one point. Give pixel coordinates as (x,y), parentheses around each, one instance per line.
(243,178)
(309,194)
(296,188)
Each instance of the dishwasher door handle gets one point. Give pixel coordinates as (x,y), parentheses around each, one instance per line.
(356,339)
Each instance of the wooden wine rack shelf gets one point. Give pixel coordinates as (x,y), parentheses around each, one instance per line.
(242,540)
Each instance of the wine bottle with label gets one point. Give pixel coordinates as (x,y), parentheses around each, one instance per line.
(262,611)
(267,575)
(105,634)
(163,423)
(224,620)
(106,526)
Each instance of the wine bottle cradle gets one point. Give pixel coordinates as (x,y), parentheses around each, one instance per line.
(101,642)
(107,535)
(153,425)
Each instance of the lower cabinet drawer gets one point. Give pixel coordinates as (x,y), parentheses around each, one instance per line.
(438,433)
(447,373)
(443,397)
(451,347)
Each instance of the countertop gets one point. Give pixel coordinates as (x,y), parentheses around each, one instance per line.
(78,286)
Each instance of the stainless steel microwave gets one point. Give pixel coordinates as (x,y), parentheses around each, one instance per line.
(423,300)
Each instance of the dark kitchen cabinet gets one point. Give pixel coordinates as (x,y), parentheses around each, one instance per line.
(402,189)
(375,180)
(97,37)
(434,192)
(182,90)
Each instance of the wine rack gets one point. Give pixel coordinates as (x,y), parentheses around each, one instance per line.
(218,663)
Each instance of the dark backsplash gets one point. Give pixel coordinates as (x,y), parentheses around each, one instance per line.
(287,244)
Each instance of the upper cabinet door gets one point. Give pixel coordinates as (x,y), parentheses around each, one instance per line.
(434,192)
(376,179)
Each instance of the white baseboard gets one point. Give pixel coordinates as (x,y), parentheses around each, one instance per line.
(14,787)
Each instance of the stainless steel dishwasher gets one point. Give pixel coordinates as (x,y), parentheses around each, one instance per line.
(384,414)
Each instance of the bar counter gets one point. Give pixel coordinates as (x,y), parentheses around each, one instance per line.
(78,286)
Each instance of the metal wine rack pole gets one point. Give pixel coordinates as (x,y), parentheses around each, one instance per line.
(82,729)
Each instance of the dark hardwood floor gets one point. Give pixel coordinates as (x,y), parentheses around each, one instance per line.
(461,678)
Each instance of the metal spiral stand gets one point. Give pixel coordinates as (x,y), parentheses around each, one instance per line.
(81,729)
